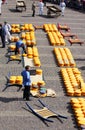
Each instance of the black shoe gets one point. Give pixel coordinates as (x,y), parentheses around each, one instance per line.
(28,99)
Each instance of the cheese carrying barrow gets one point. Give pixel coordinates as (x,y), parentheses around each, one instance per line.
(53,11)
(20,5)
(45,113)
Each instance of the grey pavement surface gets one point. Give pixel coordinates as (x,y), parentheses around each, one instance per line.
(13,115)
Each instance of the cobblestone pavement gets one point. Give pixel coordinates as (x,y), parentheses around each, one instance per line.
(13,116)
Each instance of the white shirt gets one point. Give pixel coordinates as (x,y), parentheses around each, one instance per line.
(41,4)
(7,27)
(62,4)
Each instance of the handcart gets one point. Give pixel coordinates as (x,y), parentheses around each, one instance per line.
(53,11)
(45,113)
(20,5)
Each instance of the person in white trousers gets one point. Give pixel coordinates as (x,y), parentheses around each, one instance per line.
(8,29)
(41,5)
(62,6)
(0,6)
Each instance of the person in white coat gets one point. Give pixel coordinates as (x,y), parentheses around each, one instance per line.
(0,6)
(62,6)
(41,5)
(8,29)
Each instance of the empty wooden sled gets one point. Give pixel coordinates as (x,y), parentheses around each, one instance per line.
(67,34)
(63,27)
(75,41)
(45,113)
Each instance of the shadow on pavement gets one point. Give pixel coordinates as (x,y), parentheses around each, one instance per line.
(14,10)
(6,100)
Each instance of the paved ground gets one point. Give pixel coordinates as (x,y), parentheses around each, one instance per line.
(13,116)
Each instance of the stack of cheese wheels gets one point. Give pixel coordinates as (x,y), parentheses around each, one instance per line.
(19,80)
(29,52)
(70,57)
(58,57)
(64,57)
(78,105)
(14,38)
(37,61)
(27,27)
(31,28)
(35,52)
(23,35)
(41,83)
(32,38)
(39,71)
(34,86)
(12,80)
(15,28)
(12,47)
(73,81)
(50,27)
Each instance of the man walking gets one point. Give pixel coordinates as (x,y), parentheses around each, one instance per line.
(8,29)
(62,6)
(33,9)
(3,35)
(41,5)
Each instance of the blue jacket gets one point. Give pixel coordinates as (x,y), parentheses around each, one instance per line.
(2,32)
(19,43)
(26,78)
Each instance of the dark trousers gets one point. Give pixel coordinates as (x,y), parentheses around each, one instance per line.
(18,49)
(3,41)
(33,13)
(26,93)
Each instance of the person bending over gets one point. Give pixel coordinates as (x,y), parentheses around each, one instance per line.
(20,44)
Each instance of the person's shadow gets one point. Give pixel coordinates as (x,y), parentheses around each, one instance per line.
(6,100)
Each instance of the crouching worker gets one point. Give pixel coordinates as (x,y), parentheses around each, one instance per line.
(20,44)
(26,82)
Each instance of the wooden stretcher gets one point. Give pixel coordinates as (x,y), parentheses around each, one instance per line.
(20,5)
(53,11)
(15,58)
(75,41)
(11,48)
(45,113)
(63,27)
(68,34)
(34,78)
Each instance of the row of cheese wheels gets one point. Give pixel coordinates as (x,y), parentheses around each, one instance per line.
(29,27)
(32,52)
(28,38)
(50,27)
(64,57)
(56,38)
(16,28)
(18,79)
(73,81)
(78,106)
